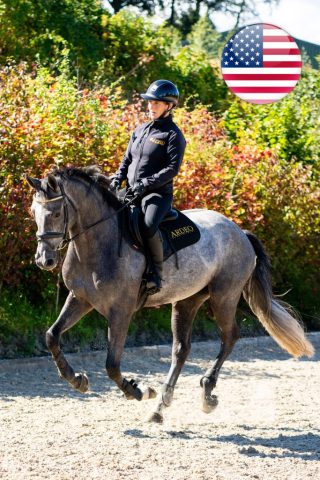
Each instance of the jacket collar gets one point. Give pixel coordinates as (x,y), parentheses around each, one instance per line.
(162,121)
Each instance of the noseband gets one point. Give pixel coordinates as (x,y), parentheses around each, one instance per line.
(44,237)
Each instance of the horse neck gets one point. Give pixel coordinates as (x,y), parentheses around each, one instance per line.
(90,209)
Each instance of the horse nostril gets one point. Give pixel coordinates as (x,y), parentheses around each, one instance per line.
(50,262)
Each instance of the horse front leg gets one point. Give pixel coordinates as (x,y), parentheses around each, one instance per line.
(73,310)
(117,333)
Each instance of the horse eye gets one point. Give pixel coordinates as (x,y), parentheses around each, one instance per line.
(57,215)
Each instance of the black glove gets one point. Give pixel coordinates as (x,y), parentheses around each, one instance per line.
(138,189)
(115,185)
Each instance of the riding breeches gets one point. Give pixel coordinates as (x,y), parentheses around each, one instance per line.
(154,206)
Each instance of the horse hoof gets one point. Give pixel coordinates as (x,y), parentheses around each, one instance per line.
(146,392)
(84,385)
(209,403)
(152,393)
(154,417)
(128,396)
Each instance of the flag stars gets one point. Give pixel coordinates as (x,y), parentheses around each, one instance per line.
(242,49)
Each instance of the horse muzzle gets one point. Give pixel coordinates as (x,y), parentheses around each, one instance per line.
(46,260)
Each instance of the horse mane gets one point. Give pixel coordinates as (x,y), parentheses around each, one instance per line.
(93,178)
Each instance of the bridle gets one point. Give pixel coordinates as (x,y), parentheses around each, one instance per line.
(46,236)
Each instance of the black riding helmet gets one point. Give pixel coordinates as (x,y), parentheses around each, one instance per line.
(162,91)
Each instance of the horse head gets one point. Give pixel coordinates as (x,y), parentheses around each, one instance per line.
(50,208)
(50,211)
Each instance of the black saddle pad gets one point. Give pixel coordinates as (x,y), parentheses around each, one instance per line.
(177,234)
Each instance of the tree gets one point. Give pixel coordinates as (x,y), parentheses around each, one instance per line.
(142,5)
(47,27)
(204,37)
(185,19)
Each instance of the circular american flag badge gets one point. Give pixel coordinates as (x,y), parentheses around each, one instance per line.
(261,63)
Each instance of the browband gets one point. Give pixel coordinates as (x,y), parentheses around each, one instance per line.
(47,201)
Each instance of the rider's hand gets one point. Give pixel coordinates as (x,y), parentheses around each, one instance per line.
(115,185)
(138,189)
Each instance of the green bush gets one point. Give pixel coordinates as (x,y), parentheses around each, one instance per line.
(104,49)
(47,27)
(289,127)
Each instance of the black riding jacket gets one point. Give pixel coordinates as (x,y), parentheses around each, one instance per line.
(154,155)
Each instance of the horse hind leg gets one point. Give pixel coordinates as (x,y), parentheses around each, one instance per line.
(73,310)
(224,310)
(183,313)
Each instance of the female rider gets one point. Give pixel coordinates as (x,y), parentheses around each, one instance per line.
(152,159)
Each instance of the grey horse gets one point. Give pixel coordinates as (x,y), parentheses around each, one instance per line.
(74,207)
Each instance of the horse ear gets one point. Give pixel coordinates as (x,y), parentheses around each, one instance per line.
(52,182)
(33,182)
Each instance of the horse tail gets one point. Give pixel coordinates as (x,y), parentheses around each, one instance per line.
(278,317)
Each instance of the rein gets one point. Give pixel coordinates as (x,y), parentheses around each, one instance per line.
(44,237)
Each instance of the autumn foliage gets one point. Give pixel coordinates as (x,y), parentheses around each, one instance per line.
(46,121)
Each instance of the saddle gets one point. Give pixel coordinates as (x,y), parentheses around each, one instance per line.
(177,230)
(134,219)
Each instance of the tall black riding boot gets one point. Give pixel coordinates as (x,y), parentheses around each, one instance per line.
(156,251)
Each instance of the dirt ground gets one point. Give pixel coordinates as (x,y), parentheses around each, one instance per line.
(266,426)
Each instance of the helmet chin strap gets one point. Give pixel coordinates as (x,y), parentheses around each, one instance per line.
(166,111)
